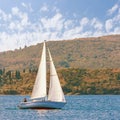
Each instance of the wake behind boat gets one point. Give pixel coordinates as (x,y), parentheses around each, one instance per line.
(39,98)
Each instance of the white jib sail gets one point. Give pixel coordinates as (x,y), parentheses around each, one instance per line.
(55,90)
(39,89)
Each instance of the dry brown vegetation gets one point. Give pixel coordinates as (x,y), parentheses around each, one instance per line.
(95,53)
(85,66)
(73,81)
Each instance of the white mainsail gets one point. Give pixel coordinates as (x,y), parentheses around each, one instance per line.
(39,89)
(55,90)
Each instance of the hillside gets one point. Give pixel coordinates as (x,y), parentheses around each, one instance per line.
(87,53)
(84,66)
(73,81)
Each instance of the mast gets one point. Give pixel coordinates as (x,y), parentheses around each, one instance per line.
(39,89)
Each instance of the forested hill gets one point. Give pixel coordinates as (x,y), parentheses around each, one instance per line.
(84,66)
(87,53)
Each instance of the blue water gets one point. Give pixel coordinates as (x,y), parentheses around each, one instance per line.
(84,107)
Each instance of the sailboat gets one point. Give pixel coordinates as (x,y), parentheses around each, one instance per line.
(39,98)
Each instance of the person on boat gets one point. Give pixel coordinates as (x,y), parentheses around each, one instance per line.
(25,100)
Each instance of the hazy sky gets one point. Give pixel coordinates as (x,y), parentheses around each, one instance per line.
(28,22)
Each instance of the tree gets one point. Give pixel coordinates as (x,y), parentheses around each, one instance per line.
(1,72)
(17,74)
(64,64)
(9,74)
(118,76)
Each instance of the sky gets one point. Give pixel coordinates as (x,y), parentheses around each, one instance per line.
(28,22)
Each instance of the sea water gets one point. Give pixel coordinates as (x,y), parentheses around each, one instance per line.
(81,107)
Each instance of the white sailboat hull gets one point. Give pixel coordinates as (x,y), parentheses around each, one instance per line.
(41,105)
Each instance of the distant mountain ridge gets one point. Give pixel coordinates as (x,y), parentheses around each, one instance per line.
(89,53)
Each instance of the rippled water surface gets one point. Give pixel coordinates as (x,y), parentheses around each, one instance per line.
(84,107)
